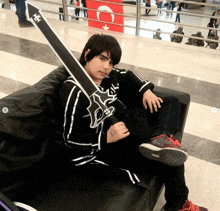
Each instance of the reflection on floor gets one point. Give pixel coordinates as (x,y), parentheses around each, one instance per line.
(25,58)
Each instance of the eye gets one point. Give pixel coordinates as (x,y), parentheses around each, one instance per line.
(102,58)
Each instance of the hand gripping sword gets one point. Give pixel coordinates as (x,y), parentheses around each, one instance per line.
(98,99)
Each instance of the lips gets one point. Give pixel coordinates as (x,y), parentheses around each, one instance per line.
(102,73)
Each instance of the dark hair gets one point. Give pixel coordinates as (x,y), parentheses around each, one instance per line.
(99,43)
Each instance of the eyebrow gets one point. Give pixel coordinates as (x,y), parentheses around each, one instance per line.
(105,56)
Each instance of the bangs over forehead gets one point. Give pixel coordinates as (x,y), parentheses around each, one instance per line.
(101,43)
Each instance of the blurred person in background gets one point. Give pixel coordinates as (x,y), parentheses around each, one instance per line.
(157,35)
(216,14)
(21,13)
(173,4)
(84,10)
(196,42)
(159,5)
(77,10)
(212,36)
(212,24)
(179,8)
(175,38)
(148,4)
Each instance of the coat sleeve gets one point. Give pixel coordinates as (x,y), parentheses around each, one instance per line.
(130,80)
(76,126)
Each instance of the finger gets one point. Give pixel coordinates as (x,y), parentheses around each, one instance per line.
(150,107)
(155,106)
(119,124)
(160,99)
(158,103)
(122,127)
(125,135)
(145,104)
(124,131)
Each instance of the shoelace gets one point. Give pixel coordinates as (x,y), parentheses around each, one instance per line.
(192,207)
(174,141)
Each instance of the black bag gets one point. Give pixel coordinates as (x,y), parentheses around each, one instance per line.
(29,126)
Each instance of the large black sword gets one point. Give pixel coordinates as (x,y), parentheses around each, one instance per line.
(98,99)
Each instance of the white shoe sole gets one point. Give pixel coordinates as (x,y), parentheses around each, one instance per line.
(24,207)
(169,156)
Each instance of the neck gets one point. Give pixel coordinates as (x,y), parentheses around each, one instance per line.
(98,82)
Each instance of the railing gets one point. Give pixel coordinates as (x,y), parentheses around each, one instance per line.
(137,15)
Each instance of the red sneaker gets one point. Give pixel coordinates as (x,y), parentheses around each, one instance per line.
(189,206)
(164,149)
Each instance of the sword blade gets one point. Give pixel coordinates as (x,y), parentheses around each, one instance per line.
(67,58)
(98,99)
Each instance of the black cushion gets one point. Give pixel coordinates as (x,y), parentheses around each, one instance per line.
(35,167)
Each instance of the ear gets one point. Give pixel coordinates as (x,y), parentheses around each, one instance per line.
(86,53)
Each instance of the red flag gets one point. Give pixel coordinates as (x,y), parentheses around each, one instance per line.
(108,17)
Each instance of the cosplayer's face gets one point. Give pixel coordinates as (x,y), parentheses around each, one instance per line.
(99,67)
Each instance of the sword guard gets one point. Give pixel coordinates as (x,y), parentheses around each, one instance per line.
(98,108)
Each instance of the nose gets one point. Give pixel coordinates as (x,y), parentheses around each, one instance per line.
(107,65)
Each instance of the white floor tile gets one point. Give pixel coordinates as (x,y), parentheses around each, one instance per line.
(203,181)
(203,121)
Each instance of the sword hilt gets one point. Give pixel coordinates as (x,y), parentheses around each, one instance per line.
(113,119)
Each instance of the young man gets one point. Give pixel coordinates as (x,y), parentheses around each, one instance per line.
(142,139)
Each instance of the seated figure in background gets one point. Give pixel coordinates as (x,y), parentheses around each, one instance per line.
(212,36)
(157,35)
(175,38)
(196,42)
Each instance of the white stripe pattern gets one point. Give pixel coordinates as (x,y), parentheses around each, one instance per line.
(146,83)
(72,116)
(86,161)
(82,144)
(67,104)
(99,137)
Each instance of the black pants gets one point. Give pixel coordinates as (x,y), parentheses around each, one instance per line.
(147,11)
(177,17)
(77,10)
(142,126)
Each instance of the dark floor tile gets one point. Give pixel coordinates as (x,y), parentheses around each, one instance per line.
(202,148)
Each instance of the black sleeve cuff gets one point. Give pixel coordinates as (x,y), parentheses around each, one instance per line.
(147,85)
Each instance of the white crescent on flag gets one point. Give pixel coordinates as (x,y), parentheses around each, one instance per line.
(105,8)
